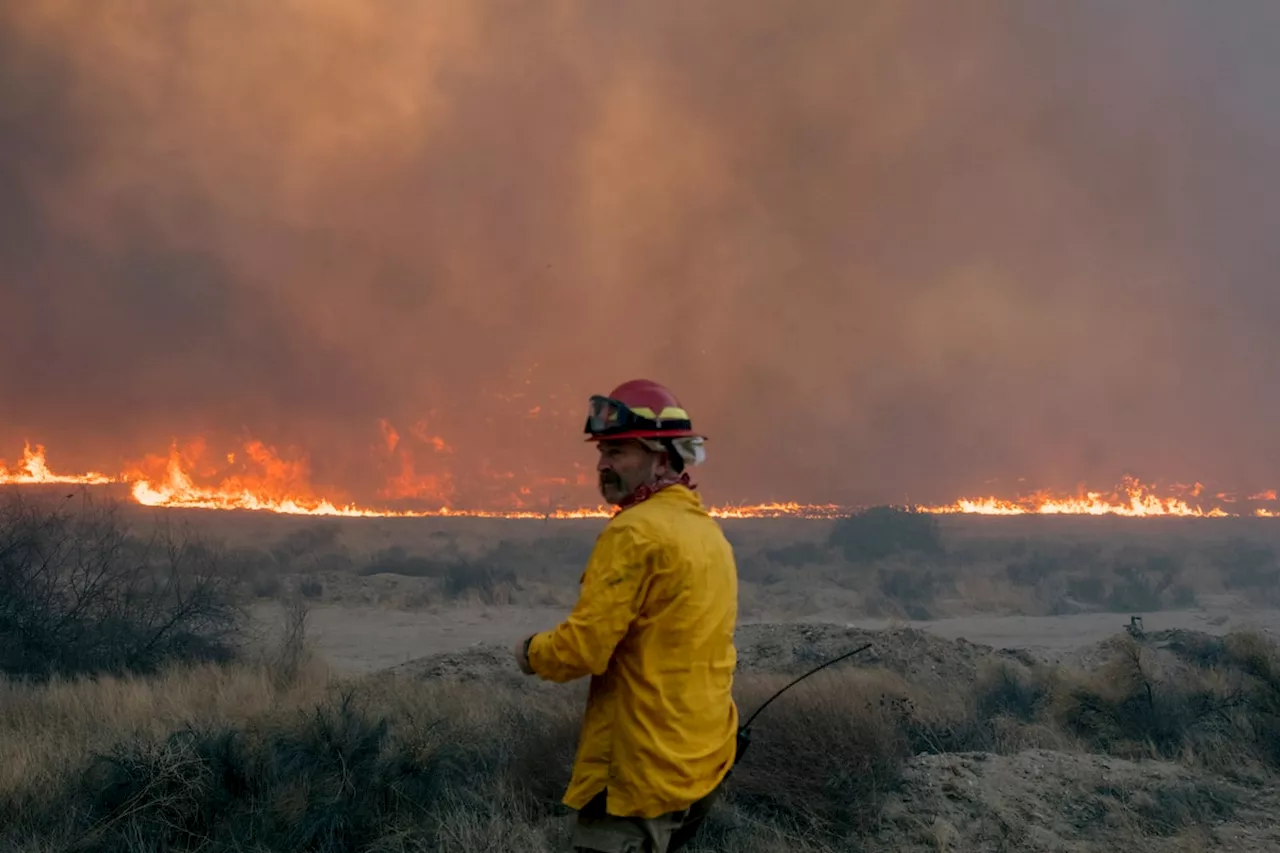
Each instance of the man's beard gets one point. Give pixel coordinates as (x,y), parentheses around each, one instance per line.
(610,482)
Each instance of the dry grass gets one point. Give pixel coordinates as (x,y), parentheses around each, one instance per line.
(237,758)
(51,730)
(274,752)
(788,568)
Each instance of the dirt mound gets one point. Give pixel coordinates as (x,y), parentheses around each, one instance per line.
(1038,800)
(920,657)
(483,660)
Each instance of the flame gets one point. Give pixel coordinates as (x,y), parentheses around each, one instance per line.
(260,477)
(35,470)
(780,510)
(1133,498)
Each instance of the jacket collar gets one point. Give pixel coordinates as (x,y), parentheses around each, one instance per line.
(643,493)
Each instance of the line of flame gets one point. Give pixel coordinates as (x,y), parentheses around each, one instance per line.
(178,490)
(1134,500)
(34,470)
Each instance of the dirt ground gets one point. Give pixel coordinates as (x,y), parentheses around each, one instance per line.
(365,639)
(1053,802)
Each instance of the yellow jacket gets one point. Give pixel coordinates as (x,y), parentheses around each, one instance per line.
(653,626)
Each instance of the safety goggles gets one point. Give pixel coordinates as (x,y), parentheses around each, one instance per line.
(606,415)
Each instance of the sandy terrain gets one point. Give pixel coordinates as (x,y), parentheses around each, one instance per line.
(363,639)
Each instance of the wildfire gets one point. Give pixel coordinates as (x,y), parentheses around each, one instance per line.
(780,510)
(1133,498)
(35,470)
(258,477)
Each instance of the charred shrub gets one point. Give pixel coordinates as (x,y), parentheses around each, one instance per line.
(884,531)
(80,594)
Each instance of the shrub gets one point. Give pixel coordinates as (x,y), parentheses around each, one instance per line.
(309,543)
(267,586)
(1247,565)
(1130,707)
(1165,811)
(482,578)
(882,531)
(1005,689)
(1032,570)
(365,768)
(395,561)
(825,760)
(1140,586)
(796,554)
(912,588)
(80,594)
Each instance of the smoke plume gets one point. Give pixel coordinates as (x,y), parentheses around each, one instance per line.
(882,250)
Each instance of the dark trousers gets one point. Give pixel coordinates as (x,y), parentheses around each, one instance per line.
(600,832)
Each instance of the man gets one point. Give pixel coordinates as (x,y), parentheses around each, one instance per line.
(653,627)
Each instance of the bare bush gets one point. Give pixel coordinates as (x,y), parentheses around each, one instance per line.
(80,594)
(289,657)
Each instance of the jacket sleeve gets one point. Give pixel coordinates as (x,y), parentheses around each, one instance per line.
(608,602)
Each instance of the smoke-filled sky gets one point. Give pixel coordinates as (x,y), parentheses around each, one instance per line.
(880,249)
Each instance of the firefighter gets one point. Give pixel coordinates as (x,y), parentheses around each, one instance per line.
(653,628)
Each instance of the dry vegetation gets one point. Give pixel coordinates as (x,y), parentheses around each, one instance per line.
(883,563)
(240,758)
(1168,742)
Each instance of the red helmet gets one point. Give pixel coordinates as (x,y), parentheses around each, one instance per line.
(640,408)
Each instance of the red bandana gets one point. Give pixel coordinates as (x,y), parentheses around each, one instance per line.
(643,493)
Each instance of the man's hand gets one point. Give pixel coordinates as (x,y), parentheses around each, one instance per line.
(521,651)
